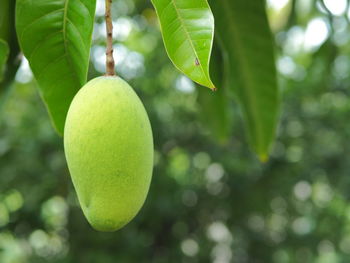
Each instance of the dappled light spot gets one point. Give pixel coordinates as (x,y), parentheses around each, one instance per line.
(24,73)
(189,247)
(302,225)
(277,4)
(256,223)
(322,194)
(221,253)
(302,190)
(54,212)
(214,173)
(286,66)
(201,160)
(184,84)
(294,153)
(337,7)
(13,200)
(47,245)
(316,33)
(218,232)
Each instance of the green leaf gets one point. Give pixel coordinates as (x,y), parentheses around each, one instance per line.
(188,29)
(243,30)
(55,37)
(4,53)
(214,107)
(8,34)
(4,18)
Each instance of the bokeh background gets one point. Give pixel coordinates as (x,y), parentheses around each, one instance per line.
(210,201)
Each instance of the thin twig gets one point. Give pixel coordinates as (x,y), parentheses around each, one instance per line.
(109,51)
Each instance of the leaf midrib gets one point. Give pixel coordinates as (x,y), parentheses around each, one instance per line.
(245,71)
(190,40)
(65,40)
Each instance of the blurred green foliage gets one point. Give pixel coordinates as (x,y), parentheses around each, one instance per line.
(208,202)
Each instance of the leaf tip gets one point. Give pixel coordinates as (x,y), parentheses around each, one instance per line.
(263,158)
(212,87)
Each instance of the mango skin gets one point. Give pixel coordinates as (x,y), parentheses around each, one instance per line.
(109,150)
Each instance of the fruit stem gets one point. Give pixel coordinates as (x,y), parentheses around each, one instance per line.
(109,50)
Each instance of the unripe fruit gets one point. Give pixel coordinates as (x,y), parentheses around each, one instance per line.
(109,150)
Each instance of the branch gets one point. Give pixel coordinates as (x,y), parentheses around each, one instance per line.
(109,51)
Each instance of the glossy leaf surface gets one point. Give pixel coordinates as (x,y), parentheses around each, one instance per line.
(55,36)
(188,30)
(243,30)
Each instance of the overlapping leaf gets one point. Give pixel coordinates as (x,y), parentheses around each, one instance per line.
(5,15)
(4,53)
(244,33)
(9,50)
(215,107)
(55,36)
(188,29)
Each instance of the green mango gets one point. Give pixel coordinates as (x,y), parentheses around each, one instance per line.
(109,150)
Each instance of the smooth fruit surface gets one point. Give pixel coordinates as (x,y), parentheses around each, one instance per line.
(109,150)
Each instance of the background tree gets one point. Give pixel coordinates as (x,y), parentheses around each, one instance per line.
(208,202)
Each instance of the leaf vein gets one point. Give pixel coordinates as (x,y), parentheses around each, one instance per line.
(41,42)
(37,19)
(190,40)
(65,40)
(78,32)
(49,64)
